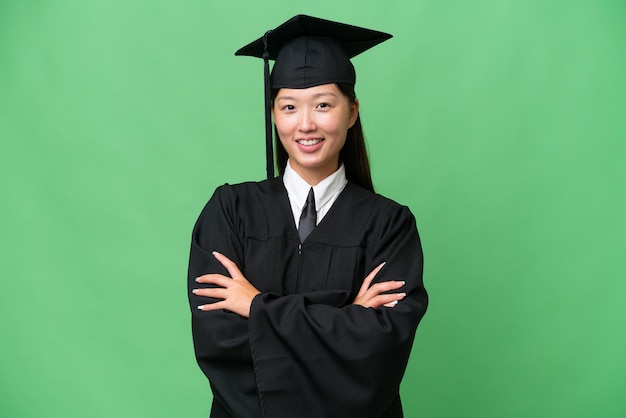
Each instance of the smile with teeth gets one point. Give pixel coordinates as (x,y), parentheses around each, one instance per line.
(309,142)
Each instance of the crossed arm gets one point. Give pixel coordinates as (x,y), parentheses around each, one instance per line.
(235,293)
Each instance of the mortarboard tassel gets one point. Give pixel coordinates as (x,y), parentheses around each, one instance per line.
(269,152)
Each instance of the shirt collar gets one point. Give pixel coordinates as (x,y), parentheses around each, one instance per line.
(324,191)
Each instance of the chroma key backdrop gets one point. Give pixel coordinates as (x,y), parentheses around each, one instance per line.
(500,123)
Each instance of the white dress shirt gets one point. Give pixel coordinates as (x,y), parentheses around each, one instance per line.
(326,191)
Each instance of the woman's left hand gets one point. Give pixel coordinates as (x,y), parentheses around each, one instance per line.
(236,291)
(374,296)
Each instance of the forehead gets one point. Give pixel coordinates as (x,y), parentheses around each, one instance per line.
(309,93)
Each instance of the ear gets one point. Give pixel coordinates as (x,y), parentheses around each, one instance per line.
(354,113)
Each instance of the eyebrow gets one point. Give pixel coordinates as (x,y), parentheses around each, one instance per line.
(315,96)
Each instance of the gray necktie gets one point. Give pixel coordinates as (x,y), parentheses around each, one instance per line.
(308,218)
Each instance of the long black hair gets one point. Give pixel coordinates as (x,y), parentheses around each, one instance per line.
(353,155)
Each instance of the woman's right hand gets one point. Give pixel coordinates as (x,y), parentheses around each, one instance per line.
(374,296)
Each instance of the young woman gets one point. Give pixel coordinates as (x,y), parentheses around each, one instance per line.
(306,289)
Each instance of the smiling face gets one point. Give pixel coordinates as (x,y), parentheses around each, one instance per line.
(312,125)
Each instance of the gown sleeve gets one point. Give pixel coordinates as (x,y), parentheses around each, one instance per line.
(342,360)
(220,337)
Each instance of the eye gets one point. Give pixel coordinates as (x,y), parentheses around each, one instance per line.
(323,105)
(288,107)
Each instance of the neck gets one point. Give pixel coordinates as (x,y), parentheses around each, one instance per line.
(314,176)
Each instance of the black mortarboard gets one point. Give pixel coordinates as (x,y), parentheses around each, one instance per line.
(308,52)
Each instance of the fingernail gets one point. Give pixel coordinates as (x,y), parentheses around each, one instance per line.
(198,279)
(401,295)
(402,283)
(215,253)
(200,307)
(392,304)
(194,291)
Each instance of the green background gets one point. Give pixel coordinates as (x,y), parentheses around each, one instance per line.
(499,123)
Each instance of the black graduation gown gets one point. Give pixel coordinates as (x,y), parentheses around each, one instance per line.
(306,351)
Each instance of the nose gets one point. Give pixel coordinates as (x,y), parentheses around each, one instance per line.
(307,121)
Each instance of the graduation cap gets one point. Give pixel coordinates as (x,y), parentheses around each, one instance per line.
(308,52)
